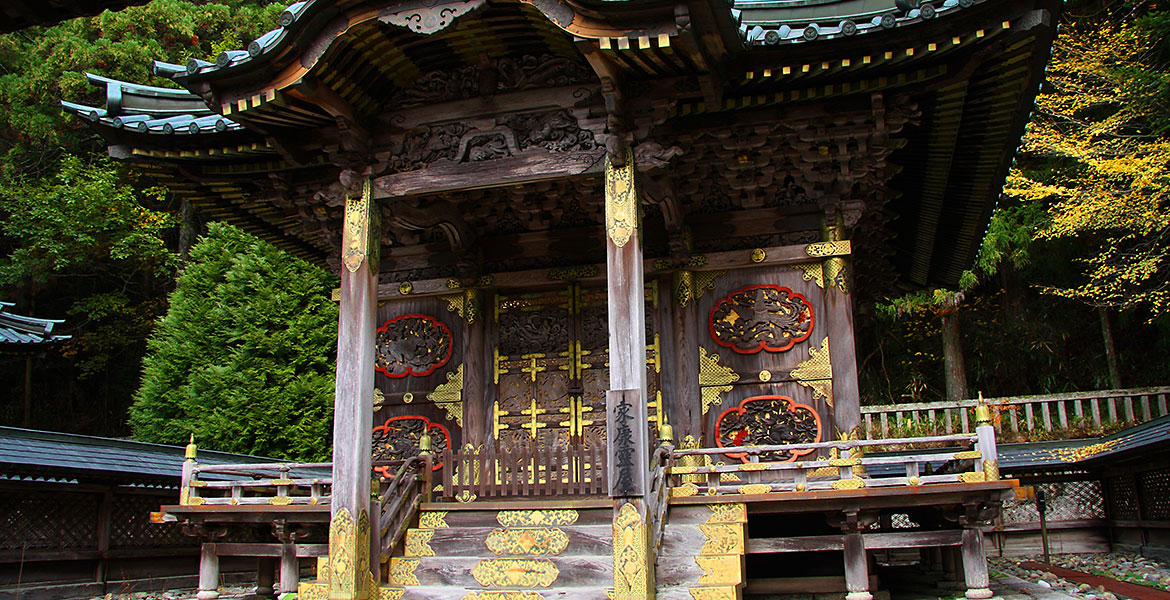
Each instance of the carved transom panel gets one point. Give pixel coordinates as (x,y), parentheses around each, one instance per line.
(768,421)
(398,437)
(413,345)
(761,317)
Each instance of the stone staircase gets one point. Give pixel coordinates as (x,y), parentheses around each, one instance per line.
(490,551)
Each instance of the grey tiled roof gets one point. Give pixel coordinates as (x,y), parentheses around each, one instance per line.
(147,109)
(19,332)
(30,454)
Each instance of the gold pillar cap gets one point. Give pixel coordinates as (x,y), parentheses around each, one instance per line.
(982,412)
(191,449)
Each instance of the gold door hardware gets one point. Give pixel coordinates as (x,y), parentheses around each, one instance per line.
(498,426)
(533,424)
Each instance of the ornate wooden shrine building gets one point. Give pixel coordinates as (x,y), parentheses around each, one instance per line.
(556,220)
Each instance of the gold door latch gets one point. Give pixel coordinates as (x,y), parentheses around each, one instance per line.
(576,411)
(534,423)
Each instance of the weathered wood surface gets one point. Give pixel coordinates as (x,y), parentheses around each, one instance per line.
(567,571)
(690,540)
(843,355)
(872,541)
(975,565)
(1026,413)
(450,176)
(715,570)
(484,514)
(582,540)
(459,593)
(266,549)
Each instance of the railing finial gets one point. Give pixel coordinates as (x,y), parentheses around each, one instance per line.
(191,449)
(424,444)
(665,433)
(982,412)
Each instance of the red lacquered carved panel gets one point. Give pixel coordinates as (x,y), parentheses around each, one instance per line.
(761,317)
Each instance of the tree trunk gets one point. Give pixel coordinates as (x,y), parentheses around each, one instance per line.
(954,367)
(1110,349)
(188,229)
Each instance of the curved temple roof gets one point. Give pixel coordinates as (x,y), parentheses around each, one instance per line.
(958,75)
(19,333)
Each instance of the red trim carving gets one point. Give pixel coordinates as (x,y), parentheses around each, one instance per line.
(430,426)
(446,333)
(763,344)
(737,439)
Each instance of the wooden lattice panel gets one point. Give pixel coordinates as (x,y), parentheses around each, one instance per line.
(44,521)
(1123,498)
(130,525)
(1155,494)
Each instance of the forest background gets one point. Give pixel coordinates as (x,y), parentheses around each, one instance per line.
(1075,262)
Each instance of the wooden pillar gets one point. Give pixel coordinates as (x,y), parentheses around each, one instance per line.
(975,564)
(686,415)
(105,518)
(842,347)
(476,422)
(265,576)
(290,569)
(208,573)
(856,559)
(627,451)
(349,527)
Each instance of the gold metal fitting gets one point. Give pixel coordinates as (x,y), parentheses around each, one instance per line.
(982,412)
(191,449)
(424,444)
(666,434)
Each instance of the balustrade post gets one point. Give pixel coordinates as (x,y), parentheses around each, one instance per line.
(208,573)
(986,443)
(856,560)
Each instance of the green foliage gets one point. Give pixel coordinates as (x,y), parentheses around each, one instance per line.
(244,357)
(82,218)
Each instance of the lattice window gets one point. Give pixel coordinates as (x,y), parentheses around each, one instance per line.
(49,521)
(1155,494)
(1123,498)
(902,521)
(1067,501)
(130,524)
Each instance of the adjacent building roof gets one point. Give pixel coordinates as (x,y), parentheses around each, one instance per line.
(27,454)
(18,14)
(1086,454)
(26,334)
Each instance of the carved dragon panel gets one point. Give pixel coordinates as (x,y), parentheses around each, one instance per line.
(412,345)
(398,438)
(761,317)
(768,421)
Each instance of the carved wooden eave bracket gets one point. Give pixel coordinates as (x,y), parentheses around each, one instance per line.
(427,17)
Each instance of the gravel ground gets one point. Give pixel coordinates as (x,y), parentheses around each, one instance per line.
(225,593)
(1120,566)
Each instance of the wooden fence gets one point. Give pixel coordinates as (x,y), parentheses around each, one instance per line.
(846,467)
(1020,414)
(574,470)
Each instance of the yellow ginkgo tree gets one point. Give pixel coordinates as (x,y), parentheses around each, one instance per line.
(1097,155)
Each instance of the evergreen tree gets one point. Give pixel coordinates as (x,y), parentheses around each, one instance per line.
(244,358)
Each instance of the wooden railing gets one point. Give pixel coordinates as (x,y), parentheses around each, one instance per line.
(845,467)
(1071,411)
(399,502)
(658,500)
(270,483)
(566,471)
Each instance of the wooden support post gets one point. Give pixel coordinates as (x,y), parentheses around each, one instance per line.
(626,411)
(475,409)
(349,528)
(975,564)
(290,568)
(208,573)
(842,349)
(681,392)
(856,563)
(105,517)
(265,576)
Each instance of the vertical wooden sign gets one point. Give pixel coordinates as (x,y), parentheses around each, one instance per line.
(626,432)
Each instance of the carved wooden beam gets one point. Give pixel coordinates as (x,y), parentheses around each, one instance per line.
(449,176)
(355,136)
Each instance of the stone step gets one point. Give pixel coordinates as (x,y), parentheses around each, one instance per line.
(676,571)
(496,514)
(512,573)
(695,514)
(571,540)
(459,593)
(703,540)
